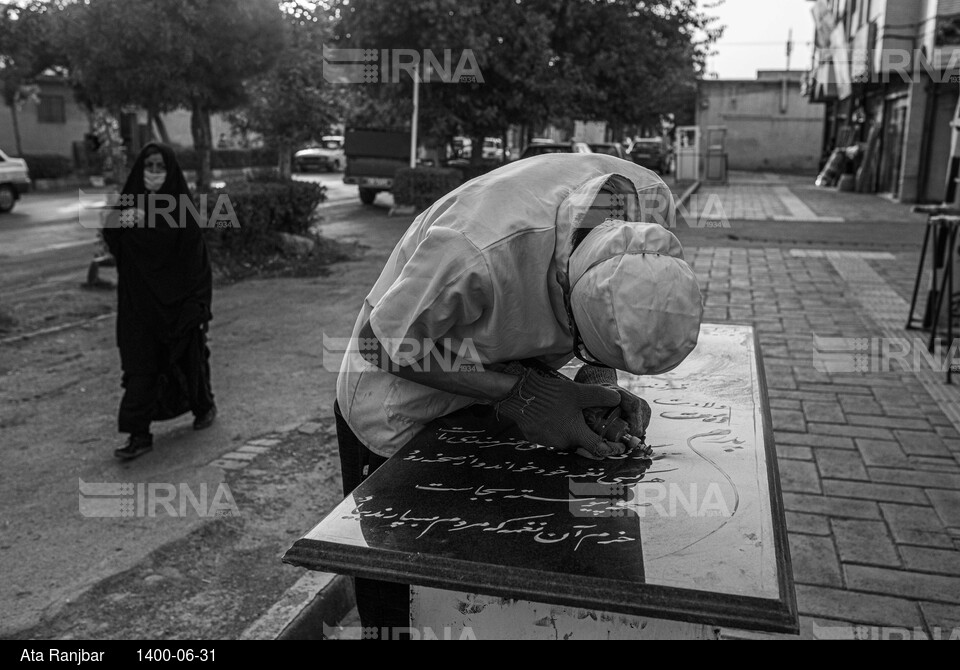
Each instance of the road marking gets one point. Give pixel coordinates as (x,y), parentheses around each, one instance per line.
(826,253)
(798,208)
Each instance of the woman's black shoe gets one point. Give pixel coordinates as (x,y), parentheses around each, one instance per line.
(137,445)
(206,419)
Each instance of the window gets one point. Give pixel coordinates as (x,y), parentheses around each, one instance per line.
(52,109)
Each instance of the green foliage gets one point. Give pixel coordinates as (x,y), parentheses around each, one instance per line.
(423,186)
(112,154)
(26,45)
(263,209)
(226,159)
(26,49)
(291,104)
(49,166)
(164,54)
(621,61)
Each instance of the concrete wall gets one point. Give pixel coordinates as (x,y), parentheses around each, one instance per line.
(45,138)
(764,131)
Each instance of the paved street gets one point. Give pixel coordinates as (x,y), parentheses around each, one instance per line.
(869,461)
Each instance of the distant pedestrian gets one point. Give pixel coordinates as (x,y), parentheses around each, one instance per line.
(164,288)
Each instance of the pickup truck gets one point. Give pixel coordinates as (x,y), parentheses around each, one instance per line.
(14,181)
(373,158)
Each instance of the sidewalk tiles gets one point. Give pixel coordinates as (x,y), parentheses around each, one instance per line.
(869,461)
(784,199)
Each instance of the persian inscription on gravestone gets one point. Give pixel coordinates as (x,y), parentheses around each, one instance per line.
(695,516)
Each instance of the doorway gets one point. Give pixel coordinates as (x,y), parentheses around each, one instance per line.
(895,117)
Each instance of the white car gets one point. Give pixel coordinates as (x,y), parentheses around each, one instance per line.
(328,156)
(14,180)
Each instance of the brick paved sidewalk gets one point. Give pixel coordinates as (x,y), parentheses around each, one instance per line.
(869,462)
(769,197)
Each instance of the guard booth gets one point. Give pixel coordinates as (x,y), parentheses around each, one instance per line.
(688,153)
(716,169)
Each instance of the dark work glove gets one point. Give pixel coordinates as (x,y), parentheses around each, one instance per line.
(634,409)
(549,411)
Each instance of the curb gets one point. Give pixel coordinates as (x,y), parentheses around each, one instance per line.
(55,329)
(313,607)
(307,611)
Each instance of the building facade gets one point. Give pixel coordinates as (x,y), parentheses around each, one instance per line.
(769,125)
(52,122)
(49,122)
(888,74)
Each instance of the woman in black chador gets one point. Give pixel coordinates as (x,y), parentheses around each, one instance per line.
(164,291)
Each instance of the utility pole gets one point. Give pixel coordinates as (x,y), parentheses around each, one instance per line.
(786,75)
(789,47)
(415,120)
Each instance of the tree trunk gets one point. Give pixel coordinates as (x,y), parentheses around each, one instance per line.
(200,129)
(285,155)
(16,128)
(161,127)
(476,151)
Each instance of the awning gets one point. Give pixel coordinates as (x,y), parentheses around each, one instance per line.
(840,57)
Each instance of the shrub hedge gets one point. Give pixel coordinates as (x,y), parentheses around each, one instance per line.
(263,209)
(470,170)
(49,166)
(422,186)
(224,159)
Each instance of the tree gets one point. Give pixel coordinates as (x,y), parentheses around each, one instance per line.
(121,54)
(164,54)
(25,52)
(507,42)
(290,104)
(621,61)
(631,62)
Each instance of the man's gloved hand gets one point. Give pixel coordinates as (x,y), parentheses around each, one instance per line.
(549,411)
(634,409)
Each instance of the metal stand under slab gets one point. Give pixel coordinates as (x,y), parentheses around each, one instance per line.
(943,304)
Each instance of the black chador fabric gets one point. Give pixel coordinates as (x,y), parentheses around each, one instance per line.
(164,287)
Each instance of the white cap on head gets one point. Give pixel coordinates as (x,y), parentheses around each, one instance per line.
(635,301)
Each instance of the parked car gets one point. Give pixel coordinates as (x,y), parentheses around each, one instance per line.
(462,147)
(328,156)
(14,181)
(652,154)
(540,148)
(493,149)
(373,157)
(610,148)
